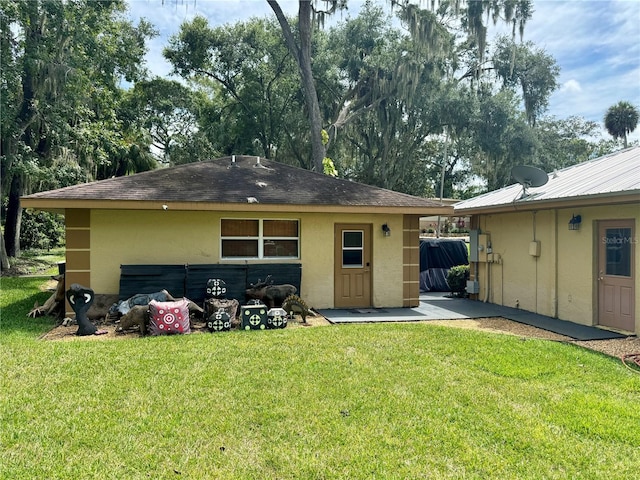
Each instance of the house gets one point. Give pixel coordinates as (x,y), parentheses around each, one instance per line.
(353,245)
(566,249)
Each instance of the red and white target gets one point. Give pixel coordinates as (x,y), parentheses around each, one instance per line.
(169,317)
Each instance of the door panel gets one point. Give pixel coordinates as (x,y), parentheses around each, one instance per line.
(352,265)
(616,274)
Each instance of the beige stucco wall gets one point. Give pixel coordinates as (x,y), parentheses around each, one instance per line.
(172,237)
(568,292)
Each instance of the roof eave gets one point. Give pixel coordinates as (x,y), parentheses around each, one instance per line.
(60,205)
(610,198)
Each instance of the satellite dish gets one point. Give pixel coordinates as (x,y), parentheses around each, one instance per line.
(528,177)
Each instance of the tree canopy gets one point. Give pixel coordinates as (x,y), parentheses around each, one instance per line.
(62,65)
(416,97)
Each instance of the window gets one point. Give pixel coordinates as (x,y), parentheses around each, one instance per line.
(618,247)
(249,238)
(352,248)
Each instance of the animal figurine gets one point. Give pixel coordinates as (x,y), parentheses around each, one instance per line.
(137,316)
(81,299)
(293,304)
(123,307)
(271,295)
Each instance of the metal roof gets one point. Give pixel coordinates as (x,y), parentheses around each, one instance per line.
(613,175)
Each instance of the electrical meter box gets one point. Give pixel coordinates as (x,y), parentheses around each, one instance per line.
(534,248)
(473,245)
(478,245)
(483,245)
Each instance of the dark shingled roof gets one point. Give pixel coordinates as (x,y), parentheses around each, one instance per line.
(238,179)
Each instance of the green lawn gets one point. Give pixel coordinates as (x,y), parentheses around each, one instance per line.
(38,262)
(386,401)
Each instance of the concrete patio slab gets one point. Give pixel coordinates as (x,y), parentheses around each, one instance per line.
(439,306)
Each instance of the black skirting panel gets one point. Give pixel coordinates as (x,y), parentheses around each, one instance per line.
(136,279)
(191,280)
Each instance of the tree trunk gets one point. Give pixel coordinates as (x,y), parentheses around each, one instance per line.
(4,259)
(302,54)
(25,118)
(13,218)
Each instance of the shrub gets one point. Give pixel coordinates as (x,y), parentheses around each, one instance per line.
(41,230)
(457,279)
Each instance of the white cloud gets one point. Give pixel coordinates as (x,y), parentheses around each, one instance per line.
(597,46)
(571,86)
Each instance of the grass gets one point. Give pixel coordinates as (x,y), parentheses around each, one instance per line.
(385,401)
(37,262)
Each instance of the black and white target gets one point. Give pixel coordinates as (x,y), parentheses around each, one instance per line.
(254,317)
(220,321)
(216,288)
(277,318)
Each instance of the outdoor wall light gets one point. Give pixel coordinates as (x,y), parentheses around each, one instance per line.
(386,231)
(574,223)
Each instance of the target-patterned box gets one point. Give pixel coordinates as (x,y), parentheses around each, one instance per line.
(253,317)
(276,318)
(216,288)
(219,321)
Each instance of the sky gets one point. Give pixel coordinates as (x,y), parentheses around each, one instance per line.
(595,43)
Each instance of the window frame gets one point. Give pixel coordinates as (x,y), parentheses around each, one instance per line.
(358,248)
(261,239)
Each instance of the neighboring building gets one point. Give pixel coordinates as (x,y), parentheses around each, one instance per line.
(450,224)
(357,245)
(567,249)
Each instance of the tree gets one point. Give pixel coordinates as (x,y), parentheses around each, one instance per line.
(503,137)
(381,134)
(4,258)
(63,63)
(301,50)
(620,120)
(380,64)
(422,24)
(164,108)
(566,142)
(250,78)
(533,70)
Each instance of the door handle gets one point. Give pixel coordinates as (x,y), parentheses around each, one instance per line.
(600,276)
